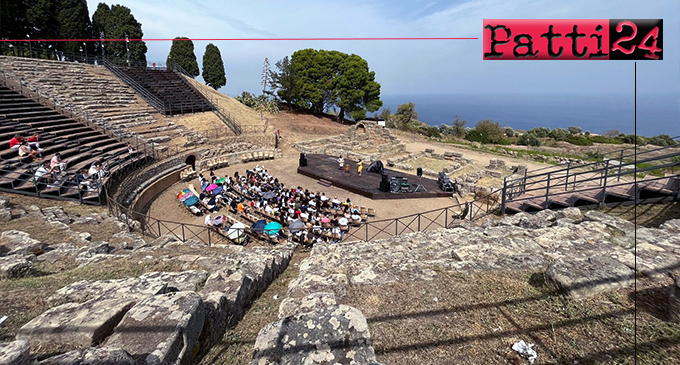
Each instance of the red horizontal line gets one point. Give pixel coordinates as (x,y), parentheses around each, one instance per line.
(229,39)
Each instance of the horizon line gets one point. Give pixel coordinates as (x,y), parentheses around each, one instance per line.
(237,39)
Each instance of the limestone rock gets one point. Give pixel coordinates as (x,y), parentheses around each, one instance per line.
(131,288)
(4,202)
(163,329)
(308,284)
(92,356)
(77,324)
(587,277)
(15,353)
(293,306)
(14,266)
(611,221)
(238,290)
(18,242)
(332,335)
(5,214)
(674,302)
(672,226)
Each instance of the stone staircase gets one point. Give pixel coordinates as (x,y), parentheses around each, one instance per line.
(95,94)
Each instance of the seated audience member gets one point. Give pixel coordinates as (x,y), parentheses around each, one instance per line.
(355,217)
(15,142)
(194,209)
(97,170)
(58,163)
(208,220)
(130,149)
(25,150)
(82,180)
(43,174)
(33,142)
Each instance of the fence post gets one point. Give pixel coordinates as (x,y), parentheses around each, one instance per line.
(418,222)
(604,188)
(446,217)
(504,195)
(566,181)
(366,240)
(547,189)
(620,166)
(524,182)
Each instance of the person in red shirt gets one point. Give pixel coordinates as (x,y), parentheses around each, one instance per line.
(33,142)
(15,142)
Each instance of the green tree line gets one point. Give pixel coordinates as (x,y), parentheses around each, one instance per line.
(69,19)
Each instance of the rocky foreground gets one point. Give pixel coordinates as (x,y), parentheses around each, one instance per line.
(154,318)
(581,254)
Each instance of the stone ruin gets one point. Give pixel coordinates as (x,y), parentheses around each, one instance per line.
(364,135)
(155,318)
(457,161)
(581,255)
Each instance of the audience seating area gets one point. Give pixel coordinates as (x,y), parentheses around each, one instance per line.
(79,144)
(243,201)
(170,88)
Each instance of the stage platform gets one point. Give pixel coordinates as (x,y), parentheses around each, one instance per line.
(322,167)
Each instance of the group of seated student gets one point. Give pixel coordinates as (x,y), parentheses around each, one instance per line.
(259,192)
(51,173)
(27,146)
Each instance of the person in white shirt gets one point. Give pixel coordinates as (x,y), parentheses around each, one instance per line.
(356,217)
(336,202)
(342,221)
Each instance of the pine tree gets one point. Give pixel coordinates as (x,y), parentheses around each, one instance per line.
(213,67)
(182,53)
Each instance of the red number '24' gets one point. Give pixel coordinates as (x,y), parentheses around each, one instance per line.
(654,33)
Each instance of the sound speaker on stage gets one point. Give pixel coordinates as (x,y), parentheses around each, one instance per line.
(303,159)
(384,184)
(419,171)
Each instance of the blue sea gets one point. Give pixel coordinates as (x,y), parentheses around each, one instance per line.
(597,113)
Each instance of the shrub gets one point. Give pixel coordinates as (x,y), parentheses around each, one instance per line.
(540,132)
(578,140)
(529,139)
(509,132)
(603,139)
(662,140)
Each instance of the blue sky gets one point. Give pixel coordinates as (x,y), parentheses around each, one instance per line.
(408,67)
(413,67)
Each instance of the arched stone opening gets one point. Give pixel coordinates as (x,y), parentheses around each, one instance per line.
(191,161)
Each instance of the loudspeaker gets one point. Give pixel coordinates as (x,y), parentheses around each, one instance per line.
(384,184)
(419,171)
(303,160)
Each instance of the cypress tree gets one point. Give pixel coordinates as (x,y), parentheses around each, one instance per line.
(213,67)
(182,53)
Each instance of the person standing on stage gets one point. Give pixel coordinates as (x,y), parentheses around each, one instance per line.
(341,162)
(360,166)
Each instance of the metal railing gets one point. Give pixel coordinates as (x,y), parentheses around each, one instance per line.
(597,176)
(141,90)
(221,113)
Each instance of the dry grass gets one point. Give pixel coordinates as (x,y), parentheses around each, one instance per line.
(236,347)
(199,121)
(475,319)
(241,112)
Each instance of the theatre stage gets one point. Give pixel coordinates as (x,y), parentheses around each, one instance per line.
(322,167)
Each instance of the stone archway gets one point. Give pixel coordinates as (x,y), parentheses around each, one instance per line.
(361,129)
(191,161)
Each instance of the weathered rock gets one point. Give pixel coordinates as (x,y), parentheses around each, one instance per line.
(609,220)
(238,289)
(216,309)
(14,267)
(92,356)
(18,242)
(332,335)
(571,213)
(179,281)
(76,324)
(4,202)
(674,302)
(15,353)
(672,226)
(586,277)
(294,306)
(308,284)
(131,288)
(5,214)
(163,329)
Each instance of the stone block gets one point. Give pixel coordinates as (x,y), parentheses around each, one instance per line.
(674,302)
(14,267)
(76,324)
(162,329)
(331,335)
(92,356)
(582,278)
(15,353)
